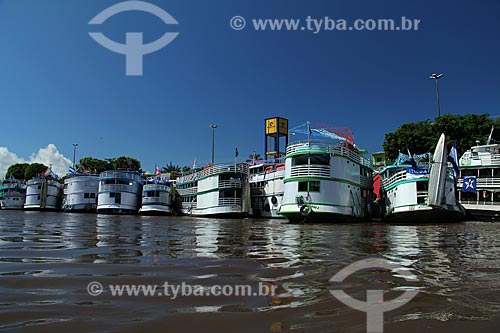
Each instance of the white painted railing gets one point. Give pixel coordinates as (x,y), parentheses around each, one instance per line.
(310,170)
(339,149)
(397,177)
(233,183)
(229,201)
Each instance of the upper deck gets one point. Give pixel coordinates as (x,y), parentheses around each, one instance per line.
(121,174)
(211,170)
(341,149)
(481,156)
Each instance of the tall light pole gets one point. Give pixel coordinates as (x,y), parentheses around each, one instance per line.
(436,77)
(213,140)
(74,153)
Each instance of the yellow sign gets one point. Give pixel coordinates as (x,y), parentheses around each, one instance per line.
(277,125)
(271,127)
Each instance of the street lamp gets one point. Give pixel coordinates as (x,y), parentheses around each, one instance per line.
(74,153)
(436,77)
(213,140)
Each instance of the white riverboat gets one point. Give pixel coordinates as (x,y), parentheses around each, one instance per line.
(420,188)
(12,194)
(220,189)
(479,181)
(327,180)
(80,193)
(119,191)
(267,188)
(157,196)
(43,194)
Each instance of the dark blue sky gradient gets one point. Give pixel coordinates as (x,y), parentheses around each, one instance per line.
(59,86)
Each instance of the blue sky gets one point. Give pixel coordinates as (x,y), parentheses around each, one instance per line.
(58,86)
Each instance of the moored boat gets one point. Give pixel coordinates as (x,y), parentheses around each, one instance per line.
(419,188)
(80,193)
(119,191)
(327,180)
(156,196)
(479,181)
(12,194)
(267,188)
(43,194)
(220,189)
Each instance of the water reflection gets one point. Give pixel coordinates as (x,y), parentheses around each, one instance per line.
(48,258)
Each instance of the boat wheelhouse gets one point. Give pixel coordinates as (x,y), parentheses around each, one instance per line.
(156,196)
(419,188)
(80,193)
(326,180)
(119,191)
(43,194)
(12,194)
(267,188)
(479,181)
(220,189)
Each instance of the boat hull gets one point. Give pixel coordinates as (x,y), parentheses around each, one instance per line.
(426,214)
(155,210)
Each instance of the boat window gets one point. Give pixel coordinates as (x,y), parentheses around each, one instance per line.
(422,186)
(468,172)
(302,187)
(314,186)
(299,160)
(318,159)
(484,172)
(496,172)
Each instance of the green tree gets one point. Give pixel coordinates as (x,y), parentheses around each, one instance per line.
(254,157)
(124,162)
(34,169)
(92,164)
(421,137)
(17,171)
(172,169)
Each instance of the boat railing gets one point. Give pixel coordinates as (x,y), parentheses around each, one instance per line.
(339,149)
(115,187)
(121,174)
(232,183)
(187,191)
(229,201)
(487,202)
(156,187)
(147,200)
(482,182)
(221,168)
(478,160)
(397,177)
(214,169)
(310,170)
(188,205)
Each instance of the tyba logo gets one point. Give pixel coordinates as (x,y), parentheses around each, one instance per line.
(133,49)
(375,306)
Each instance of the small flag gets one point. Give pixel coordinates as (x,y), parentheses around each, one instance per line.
(157,170)
(453,159)
(469,184)
(71,169)
(412,160)
(236,153)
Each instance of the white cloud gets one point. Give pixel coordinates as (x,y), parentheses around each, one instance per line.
(48,155)
(7,159)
